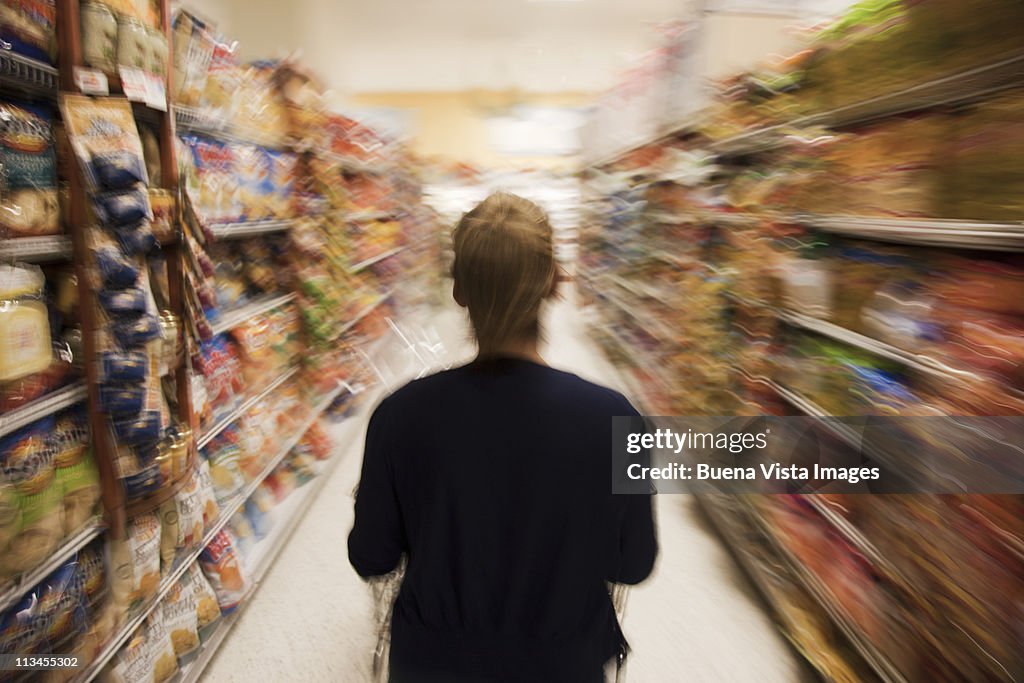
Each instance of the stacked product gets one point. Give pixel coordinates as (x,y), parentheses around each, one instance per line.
(846,245)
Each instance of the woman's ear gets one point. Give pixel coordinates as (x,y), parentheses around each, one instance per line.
(457,294)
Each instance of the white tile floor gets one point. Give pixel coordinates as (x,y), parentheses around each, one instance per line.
(695,619)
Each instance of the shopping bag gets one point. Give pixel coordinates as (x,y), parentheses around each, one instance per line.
(385,590)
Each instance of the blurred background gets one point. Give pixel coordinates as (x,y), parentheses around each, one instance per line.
(226,234)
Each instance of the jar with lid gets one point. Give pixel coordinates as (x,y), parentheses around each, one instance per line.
(132,43)
(159,52)
(99,37)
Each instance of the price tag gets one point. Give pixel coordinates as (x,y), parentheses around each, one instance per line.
(156,92)
(91,81)
(133,83)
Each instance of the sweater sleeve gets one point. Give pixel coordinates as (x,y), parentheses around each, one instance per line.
(377,539)
(636,543)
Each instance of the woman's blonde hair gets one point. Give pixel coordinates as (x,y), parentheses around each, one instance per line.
(504,268)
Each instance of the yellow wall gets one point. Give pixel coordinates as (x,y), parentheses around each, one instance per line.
(452,125)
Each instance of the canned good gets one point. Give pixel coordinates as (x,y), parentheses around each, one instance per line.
(159,52)
(132,43)
(170,333)
(99,37)
(179,452)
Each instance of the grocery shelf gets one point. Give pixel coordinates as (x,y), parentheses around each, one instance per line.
(826,599)
(236,316)
(28,75)
(90,531)
(234,231)
(376,259)
(368,216)
(190,120)
(370,308)
(955,89)
(182,565)
(36,249)
(41,407)
(920,363)
(287,514)
(932,231)
(647,323)
(241,410)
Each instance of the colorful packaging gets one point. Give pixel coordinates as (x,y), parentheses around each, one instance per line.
(106,141)
(213,184)
(222,374)
(181,522)
(223,455)
(29,27)
(135,562)
(162,653)
(180,618)
(133,663)
(28,185)
(26,347)
(207,607)
(206,493)
(222,565)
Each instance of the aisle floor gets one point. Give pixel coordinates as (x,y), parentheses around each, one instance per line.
(695,619)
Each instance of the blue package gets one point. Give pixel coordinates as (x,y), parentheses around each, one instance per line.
(144,429)
(137,240)
(143,482)
(118,170)
(116,270)
(137,332)
(122,208)
(123,366)
(122,400)
(124,302)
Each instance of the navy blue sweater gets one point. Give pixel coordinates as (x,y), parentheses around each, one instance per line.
(495,480)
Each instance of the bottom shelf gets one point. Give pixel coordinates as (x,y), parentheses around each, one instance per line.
(287,516)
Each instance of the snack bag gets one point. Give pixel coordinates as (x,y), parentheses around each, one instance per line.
(222,373)
(106,142)
(28,185)
(61,606)
(245,535)
(222,565)
(257,508)
(26,347)
(181,522)
(180,619)
(206,493)
(223,455)
(207,608)
(133,663)
(90,571)
(79,487)
(315,442)
(135,562)
(162,653)
(29,28)
(256,190)
(22,628)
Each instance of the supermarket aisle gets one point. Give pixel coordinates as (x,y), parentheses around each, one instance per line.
(694,620)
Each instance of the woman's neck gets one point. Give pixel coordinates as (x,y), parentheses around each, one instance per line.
(526,349)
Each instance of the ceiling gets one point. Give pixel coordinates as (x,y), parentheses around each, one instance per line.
(438,45)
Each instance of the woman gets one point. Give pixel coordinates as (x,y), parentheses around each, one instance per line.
(494,479)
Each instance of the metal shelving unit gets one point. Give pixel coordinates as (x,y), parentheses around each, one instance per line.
(234,231)
(233,318)
(370,308)
(241,410)
(44,249)
(226,513)
(41,407)
(30,76)
(362,265)
(67,550)
(929,232)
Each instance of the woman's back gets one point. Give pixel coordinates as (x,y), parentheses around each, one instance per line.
(496,479)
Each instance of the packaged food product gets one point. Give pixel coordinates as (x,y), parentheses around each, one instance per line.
(133,663)
(135,562)
(182,522)
(193,49)
(207,495)
(122,209)
(22,628)
(99,37)
(61,606)
(257,508)
(207,608)
(91,574)
(162,653)
(223,455)
(159,52)
(132,43)
(223,567)
(105,140)
(245,535)
(25,344)
(222,374)
(212,184)
(180,617)
(316,442)
(29,28)
(29,203)
(79,485)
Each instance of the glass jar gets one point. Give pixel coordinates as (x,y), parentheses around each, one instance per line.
(132,43)
(170,333)
(158,52)
(99,37)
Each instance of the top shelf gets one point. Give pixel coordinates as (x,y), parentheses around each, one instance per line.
(30,76)
(960,88)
